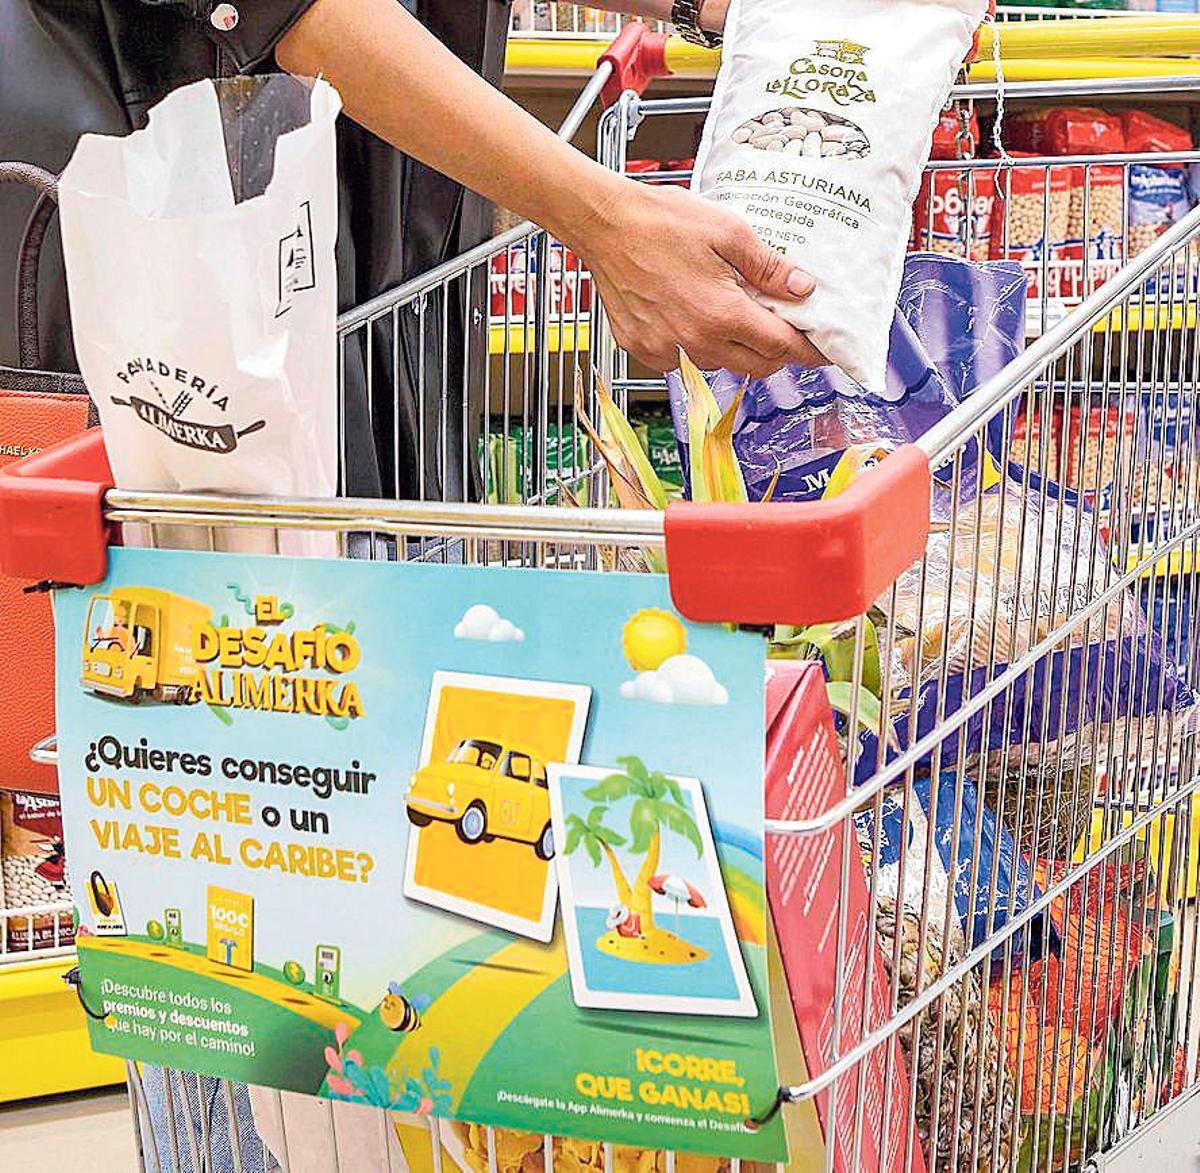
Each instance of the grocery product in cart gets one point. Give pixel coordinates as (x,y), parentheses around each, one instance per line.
(956,325)
(33,866)
(820,123)
(203,295)
(1061,1017)
(992,587)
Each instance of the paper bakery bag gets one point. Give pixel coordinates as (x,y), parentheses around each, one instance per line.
(200,264)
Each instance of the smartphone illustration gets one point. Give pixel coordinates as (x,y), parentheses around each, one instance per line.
(174,919)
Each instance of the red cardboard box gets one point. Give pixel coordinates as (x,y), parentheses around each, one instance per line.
(805,776)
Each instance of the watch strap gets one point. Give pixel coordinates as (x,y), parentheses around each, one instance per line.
(685,16)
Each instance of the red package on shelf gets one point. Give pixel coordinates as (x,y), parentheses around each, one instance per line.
(1037,429)
(1067,130)
(1093,440)
(688,165)
(642,166)
(1144,133)
(947,198)
(804,777)
(945,136)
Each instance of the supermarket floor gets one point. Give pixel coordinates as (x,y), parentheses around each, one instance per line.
(93,1132)
(90,1132)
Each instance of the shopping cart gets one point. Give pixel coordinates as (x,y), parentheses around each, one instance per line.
(1096,1063)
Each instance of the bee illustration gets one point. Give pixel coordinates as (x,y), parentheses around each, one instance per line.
(398,1012)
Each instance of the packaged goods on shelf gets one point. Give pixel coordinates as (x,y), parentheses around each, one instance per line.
(34,868)
(956,136)
(509,462)
(1146,132)
(1095,438)
(1032,212)
(821,150)
(1170,460)
(513,285)
(1035,438)
(1095,246)
(657,435)
(1066,130)
(1158,200)
(954,213)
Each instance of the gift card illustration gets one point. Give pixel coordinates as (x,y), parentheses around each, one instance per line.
(644,908)
(230,939)
(108,919)
(480,839)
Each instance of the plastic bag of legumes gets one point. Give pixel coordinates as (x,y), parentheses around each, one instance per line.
(821,121)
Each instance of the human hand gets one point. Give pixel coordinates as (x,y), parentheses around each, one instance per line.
(672,269)
(712,15)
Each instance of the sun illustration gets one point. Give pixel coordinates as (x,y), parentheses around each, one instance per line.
(651,637)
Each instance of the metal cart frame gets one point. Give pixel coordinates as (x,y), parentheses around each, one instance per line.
(1134,339)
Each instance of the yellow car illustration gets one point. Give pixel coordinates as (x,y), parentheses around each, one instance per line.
(488,792)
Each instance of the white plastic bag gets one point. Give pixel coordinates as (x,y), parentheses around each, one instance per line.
(821,123)
(200,264)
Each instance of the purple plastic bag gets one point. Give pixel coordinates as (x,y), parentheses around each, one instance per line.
(956,324)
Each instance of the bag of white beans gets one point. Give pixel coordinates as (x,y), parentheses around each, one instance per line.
(821,123)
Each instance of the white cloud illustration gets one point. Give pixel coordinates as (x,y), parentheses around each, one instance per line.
(484,623)
(679,680)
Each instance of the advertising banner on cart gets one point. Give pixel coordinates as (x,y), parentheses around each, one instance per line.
(467,842)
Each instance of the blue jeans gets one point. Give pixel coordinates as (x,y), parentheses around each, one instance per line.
(203,1140)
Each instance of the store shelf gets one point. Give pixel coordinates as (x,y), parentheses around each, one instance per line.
(518,338)
(44,1036)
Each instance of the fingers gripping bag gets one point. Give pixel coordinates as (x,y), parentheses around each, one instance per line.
(821,121)
(200,264)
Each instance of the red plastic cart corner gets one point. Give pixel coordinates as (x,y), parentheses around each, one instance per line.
(52,525)
(637,55)
(801,563)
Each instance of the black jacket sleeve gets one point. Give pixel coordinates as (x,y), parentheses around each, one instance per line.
(258,28)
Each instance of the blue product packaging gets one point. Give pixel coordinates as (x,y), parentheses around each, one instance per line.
(956,324)
(948,807)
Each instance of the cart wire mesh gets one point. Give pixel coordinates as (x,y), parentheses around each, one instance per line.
(1014,657)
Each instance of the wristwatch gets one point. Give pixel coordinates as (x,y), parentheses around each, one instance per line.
(685,16)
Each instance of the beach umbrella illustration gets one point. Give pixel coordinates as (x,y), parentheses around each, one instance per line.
(678,889)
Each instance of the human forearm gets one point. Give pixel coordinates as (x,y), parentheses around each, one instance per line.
(399,81)
(712,12)
(672,269)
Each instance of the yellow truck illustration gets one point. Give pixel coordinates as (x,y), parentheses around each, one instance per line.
(140,643)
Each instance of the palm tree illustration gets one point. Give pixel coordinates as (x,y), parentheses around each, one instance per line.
(658,806)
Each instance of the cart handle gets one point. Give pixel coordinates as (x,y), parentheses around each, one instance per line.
(636,57)
(52,523)
(811,562)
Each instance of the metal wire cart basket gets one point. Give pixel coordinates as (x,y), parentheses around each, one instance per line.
(1033,640)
